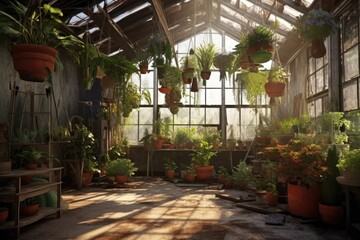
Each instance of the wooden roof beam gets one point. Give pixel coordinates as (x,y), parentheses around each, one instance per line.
(107,25)
(291,4)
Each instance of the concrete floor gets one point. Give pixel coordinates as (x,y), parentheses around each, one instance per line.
(156,209)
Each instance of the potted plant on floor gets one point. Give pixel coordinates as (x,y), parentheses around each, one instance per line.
(315,27)
(201,158)
(4,213)
(242,175)
(35,30)
(191,172)
(221,173)
(303,164)
(121,169)
(205,55)
(330,208)
(170,167)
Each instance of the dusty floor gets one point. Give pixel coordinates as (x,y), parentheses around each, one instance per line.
(156,209)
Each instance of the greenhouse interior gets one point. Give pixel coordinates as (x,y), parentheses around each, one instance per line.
(180,119)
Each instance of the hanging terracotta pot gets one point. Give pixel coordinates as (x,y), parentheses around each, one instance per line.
(33,61)
(185,79)
(205,74)
(318,49)
(275,89)
(144,69)
(165,90)
(194,85)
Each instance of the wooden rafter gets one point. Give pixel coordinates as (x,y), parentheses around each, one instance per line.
(109,28)
(291,4)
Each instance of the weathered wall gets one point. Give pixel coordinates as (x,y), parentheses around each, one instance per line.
(65,86)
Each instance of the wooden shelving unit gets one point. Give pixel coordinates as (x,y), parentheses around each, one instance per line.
(15,193)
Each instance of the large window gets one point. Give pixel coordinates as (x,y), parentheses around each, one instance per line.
(204,108)
(350,59)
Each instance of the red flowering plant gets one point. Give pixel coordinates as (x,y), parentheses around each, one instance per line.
(303,163)
(271,152)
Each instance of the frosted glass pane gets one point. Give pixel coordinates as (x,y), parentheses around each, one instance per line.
(197,116)
(351,63)
(230,98)
(232,116)
(214,81)
(182,117)
(213,96)
(350,96)
(145,115)
(131,132)
(212,116)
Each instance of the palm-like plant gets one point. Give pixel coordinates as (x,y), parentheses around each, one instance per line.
(205,55)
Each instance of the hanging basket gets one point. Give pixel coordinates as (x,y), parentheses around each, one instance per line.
(185,79)
(205,74)
(165,90)
(143,69)
(275,89)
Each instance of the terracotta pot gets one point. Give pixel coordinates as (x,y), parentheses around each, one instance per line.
(185,79)
(165,90)
(194,85)
(121,179)
(3,216)
(190,177)
(205,75)
(275,89)
(87,178)
(29,210)
(32,61)
(158,143)
(204,173)
(318,49)
(331,214)
(267,47)
(271,199)
(221,179)
(144,69)
(228,183)
(303,201)
(30,166)
(170,174)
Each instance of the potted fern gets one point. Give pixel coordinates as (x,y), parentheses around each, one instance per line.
(205,55)
(121,168)
(259,42)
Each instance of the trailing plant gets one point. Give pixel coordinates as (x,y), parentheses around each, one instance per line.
(254,84)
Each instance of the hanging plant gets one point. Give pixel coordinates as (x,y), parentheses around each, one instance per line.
(224,62)
(259,43)
(315,27)
(205,55)
(276,82)
(254,84)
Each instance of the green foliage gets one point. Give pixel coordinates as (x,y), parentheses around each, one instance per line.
(306,124)
(317,24)
(182,137)
(260,35)
(85,146)
(203,155)
(243,173)
(222,171)
(130,99)
(35,24)
(211,135)
(119,150)
(159,49)
(121,166)
(30,155)
(170,164)
(143,57)
(287,123)
(172,77)
(350,160)
(29,202)
(278,74)
(191,169)
(254,83)
(205,55)
(224,62)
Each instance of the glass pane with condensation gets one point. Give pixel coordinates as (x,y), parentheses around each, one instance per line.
(350,96)
(351,64)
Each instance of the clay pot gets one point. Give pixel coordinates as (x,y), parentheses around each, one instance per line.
(29,210)
(3,216)
(170,174)
(205,75)
(190,177)
(275,89)
(204,173)
(165,90)
(32,61)
(271,199)
(194,85)
(331,214)
(303,201)
(121,179)
(228,183)
(318,49)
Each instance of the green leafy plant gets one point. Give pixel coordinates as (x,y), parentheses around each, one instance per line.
(172,77)
(287,124)
(350,160)
(30,155)
(29,202)
(277,74)
(260,35)
(317,24)
(191,169)
(202,156)
(205,55)
(121,166)
(143,57)
(170,164)
(254,84)
(243,173)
